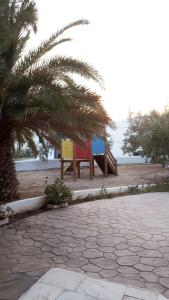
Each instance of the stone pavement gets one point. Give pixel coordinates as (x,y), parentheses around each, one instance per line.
(59,284)
(124,240)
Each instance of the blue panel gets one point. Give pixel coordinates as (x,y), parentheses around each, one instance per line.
(98,146)
(56,153)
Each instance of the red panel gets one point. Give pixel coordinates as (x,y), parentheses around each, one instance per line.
(83,153)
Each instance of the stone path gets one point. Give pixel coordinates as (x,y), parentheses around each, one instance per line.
(59,284)
(124,240)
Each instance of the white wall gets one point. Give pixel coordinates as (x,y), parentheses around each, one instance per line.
(34,165)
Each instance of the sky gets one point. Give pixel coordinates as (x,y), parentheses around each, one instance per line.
(127,41)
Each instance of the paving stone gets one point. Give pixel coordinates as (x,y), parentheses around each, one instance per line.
(165,282)
(7,264)
(121,246)
(162,271)
(100,289)
(126,234)
(151,245)
(127,270)
(164,243)
(155,262)
(105,264)
(37,273)
(77,262)
(31,266)
(142,267)
(92,254)
(42,291)
(109,273)
(166,294)
(164,249)
(129,281)
(110,242)
(90,268)
(158,237)
(74,296)
(111,256)
(136,249)
(136,242)
(130,298)
(124,253)
(128,260)
(63,279)
(16,288)
(157,287)
(149,276)
(150,253)
(140,294)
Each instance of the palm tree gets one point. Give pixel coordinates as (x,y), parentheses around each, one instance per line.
(39,95)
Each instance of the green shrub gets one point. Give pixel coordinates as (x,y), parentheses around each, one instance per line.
(58,193)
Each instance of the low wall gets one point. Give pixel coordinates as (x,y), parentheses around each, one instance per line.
(36,165)
(124,160)
(22,206)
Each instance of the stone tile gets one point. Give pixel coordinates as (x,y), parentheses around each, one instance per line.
(165,282)
(122,246)
(161,297)
(140,294)
(150,253)
(149,276)
(63,279)
(16,288)
(74,296)
(42,291)
(128,260)
(126,233)
(162,271)
(142,267)
(151,245)
(156,287)
(124,253)
(31,266)
(76,262)
(105,264)
(127,270)
(101,289)
(109,255)
(166,294)
(130,298)
(90,268)
(92,254)
(155,262)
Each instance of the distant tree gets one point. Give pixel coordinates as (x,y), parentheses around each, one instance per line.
(150,132)
(131,141)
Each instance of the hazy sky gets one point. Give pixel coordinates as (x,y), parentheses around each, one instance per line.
(127,41)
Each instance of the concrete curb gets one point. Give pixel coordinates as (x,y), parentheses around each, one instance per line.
(26,205)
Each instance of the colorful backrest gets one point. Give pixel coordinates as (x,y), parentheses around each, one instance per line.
(83,153)
(67,149)
(98,146)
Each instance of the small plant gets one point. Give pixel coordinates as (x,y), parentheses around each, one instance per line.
(58,193)
(5,211)
(134,189)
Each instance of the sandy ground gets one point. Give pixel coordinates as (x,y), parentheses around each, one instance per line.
(32,184)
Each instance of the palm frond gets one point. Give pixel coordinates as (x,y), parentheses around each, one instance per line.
(33,56)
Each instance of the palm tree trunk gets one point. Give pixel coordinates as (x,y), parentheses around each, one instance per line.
(8,180)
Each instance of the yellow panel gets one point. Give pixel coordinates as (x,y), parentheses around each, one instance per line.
(67,149)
